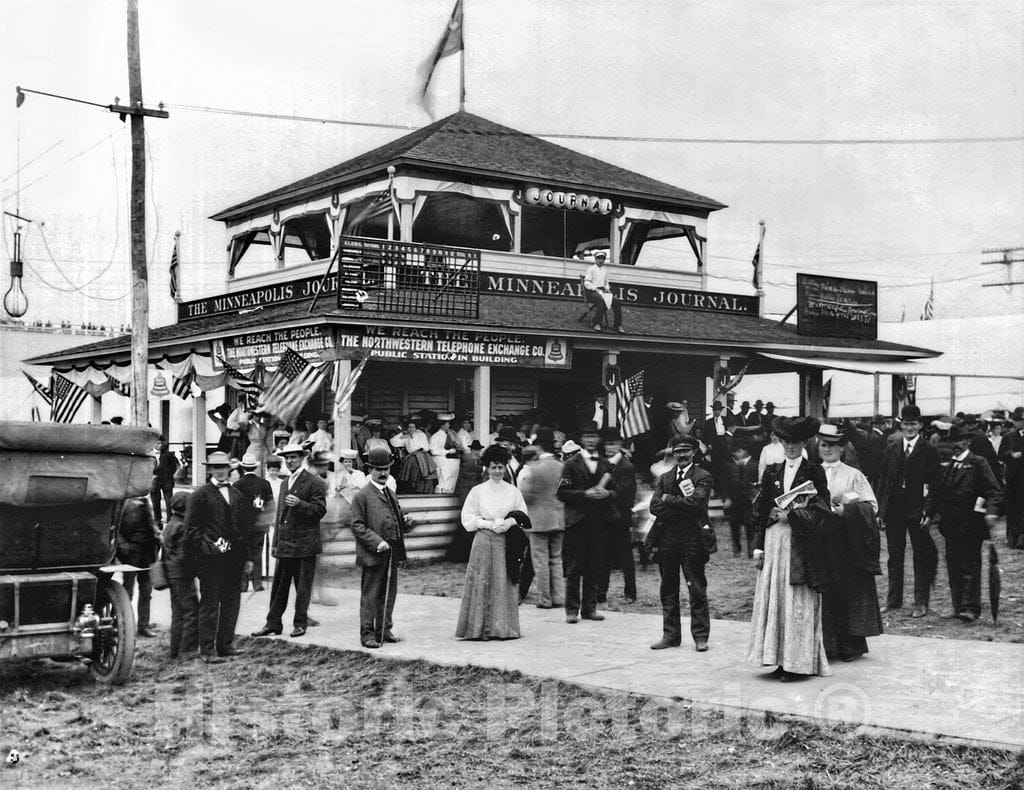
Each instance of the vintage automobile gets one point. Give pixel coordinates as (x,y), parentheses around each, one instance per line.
(61,489)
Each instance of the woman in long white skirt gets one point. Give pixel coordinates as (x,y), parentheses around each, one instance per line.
(786,619)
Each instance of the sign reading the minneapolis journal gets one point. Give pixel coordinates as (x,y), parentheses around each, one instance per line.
(639,295)
(836,307)
(453,347)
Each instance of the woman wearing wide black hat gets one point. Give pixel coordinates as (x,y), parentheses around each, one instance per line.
(786,620)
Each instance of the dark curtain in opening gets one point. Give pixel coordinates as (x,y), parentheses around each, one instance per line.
(374,224)
(556,233)
(312,233)
(461,221)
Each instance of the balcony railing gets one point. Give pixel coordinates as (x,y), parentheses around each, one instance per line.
(408,278)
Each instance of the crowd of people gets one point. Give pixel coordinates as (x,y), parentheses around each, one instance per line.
(541,509)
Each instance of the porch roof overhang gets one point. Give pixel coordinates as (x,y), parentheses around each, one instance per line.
(648,330)
(909,367)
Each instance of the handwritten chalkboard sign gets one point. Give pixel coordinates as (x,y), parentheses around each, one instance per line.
(836,307)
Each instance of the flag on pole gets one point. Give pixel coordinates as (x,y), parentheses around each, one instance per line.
(239,380)
(450,43)
(175,294)
(632,410)
(67,399)
(120,387)
(182,387)
(343,389)
(756,262)
(294,383)
(385,203)
(43,391)
(929,306)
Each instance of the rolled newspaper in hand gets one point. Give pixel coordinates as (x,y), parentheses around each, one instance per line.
(804,489)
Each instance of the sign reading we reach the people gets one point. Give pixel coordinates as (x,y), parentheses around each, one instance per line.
(449,346)
(243,351)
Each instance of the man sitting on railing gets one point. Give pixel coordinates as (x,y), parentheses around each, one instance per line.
(599,294)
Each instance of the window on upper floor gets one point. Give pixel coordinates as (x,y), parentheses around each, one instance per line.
(557,233)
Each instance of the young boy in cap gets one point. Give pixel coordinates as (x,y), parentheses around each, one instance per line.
(739,492)
(680,503)
(378,525)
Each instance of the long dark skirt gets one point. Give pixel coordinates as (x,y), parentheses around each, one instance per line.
(849,611)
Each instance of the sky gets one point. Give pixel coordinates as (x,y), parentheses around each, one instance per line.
(904,214)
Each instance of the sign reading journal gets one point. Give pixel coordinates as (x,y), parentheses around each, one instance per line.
(836,307)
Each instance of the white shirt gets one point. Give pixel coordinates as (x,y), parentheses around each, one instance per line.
(596,278)
(224,492)
(591,462)
(437,442)
(789,472)
(909,444)
(322,441)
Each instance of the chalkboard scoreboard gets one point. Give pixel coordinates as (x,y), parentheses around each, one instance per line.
(836,307)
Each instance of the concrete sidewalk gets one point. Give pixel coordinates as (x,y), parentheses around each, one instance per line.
(932,689)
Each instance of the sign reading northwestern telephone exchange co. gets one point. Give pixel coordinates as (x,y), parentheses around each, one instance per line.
(450,347)
(836,307)
(302,290)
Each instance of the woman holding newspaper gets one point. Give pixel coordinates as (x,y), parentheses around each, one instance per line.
(786,621)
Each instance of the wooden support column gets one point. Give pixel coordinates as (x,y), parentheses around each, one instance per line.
(952,396)
(811,391)
(878,393)
(165,418)
(482,402)
(405,210)
(614,240)
(517,230)
(97,410)
(343,421)
(611,358)
(199,439)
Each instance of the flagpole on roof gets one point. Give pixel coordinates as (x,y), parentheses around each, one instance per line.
(462,62)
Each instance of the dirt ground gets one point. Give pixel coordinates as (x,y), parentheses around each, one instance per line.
(731,590)
(291,716)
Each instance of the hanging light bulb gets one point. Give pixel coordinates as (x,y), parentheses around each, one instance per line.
(15,301)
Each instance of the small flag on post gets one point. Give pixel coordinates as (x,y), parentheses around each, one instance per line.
(43,391)
(343,389)
(929,306)
(450,43)
(239,380)
(182,387)
(120,387)
(67,399)
(756,262)
(294,383)
(175,293)
(385,203)
(632,411)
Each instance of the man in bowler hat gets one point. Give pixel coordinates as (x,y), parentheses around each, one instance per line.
(910,473)
(378,525)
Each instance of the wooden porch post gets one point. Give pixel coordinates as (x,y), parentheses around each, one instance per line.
(482,402)
(97,410)
(343,421)
(199,439)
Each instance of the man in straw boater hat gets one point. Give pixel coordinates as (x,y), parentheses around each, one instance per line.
(301,503)
(217,544)
(378,525)
(910,470)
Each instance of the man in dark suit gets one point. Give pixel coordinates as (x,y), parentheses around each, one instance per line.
(163,480)
(716,433)
(217,544)
(740,491)
(909,470)
(680,503)
(618,548)
(301,503)
(258,499)
(586,488)
(869,441)
(378,525)
(1011,453)
(966,503)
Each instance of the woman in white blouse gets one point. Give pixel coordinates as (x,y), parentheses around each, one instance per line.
(490,606)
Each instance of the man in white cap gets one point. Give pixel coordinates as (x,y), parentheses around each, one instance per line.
(217,544)
(445,447)
(599,293)
(259,514)
(301,503)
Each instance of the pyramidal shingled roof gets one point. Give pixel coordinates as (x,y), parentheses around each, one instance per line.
(469,144)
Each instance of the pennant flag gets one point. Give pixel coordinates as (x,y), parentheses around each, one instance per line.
(632,410)
(294,383)
(120,387)
(239,380)
(450,43)
(756,262)
(343,389)
(42,389)
(67,399)
(929,306)
(182,387)
(175,294)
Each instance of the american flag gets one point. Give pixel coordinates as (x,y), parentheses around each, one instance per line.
(42,389)
(67,399)
(182,387)
(451,42)
(343,389)
(240,381)
(929,307)
(756,262)
(632,410)
(386,202)
(175,295)
(294,383)
(120,387)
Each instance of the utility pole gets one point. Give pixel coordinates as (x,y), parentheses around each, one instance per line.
(1010,256)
